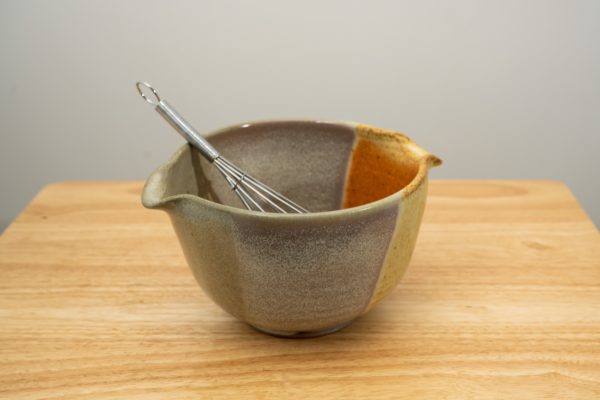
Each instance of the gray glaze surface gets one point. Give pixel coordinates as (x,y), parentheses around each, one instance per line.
(305,161)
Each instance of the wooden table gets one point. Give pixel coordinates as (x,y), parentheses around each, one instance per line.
(502,300)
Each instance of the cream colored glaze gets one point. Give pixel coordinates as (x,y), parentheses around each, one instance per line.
(384,162)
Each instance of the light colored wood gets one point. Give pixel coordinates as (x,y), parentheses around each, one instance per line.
(501,300)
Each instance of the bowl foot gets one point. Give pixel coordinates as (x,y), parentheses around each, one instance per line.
(303,335)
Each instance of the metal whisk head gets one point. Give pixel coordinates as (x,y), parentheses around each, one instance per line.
(254,194)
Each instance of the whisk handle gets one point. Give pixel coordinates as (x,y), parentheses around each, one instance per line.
(186,130)
(176,121)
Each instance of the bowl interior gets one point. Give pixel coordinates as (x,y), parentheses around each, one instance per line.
(320,165)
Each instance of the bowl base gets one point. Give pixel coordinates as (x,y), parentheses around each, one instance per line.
(302,335)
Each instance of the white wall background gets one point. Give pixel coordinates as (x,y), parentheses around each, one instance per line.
(498,89)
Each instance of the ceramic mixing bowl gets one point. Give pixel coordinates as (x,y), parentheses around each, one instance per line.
(298,274)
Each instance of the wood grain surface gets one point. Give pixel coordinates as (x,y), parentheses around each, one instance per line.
(501,301)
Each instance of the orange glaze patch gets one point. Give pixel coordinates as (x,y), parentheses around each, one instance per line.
(380,166)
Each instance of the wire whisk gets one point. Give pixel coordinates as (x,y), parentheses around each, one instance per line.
(255,195)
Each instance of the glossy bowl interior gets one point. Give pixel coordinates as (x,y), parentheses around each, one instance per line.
(320,165)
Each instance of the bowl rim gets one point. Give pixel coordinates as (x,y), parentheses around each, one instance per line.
(151,198)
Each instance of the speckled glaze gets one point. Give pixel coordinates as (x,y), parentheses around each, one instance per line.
(299,275)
